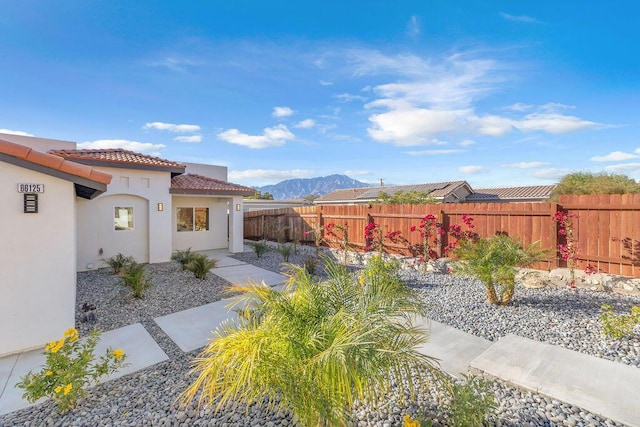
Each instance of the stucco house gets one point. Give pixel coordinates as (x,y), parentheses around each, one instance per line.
(65,210)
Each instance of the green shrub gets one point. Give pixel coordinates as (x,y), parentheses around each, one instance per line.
(285,250)
(200,265)
(493,261)
(184,257)
(118,262)
(619,326)
(313,348)
(69,370)
(471,402)
(135,277)
(260,248)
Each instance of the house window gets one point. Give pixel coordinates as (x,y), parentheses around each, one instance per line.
(123,218)
(193,219)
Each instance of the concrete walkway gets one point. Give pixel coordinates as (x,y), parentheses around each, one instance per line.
(141,349)
(608,389)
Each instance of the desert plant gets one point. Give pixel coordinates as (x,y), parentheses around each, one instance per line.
(200,265)
(494,261)
(118,262)
(619,325)
(135,277)
(285,250)
(313,348)
(310,264)
(69,369)
(471,402)
(260,247)
(184,257)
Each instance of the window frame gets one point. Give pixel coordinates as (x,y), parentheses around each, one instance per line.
(196,222)
(130,219)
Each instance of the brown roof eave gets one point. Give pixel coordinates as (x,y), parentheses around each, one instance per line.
(188,191)
(97,187)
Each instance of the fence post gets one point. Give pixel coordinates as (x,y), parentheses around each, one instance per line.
(553,235)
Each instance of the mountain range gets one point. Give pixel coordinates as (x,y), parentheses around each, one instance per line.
(301,187)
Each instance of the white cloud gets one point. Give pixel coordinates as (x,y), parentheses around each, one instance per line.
(492,125)
(413,27)
(472,169)
(15,132)
(192,139)
(325,83)
(525,165)
(171,127)
(553,174)
(408,126)
(614,156)
(139,147)
(519,106)
(553,123)
(347,97)
(306,124)
(519,18)
(357,173)
(282,112)
(623,167)
(466,143)
(272,175)
(271,137)
(433,152)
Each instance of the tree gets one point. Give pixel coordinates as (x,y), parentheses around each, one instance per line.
(595,183)
(313,348)
(258,195)
(412,197)
(310,197)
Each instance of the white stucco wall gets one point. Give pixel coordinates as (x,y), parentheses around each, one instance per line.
(210,171)
(216,237)
(150,241)
(236,225)
(37,261)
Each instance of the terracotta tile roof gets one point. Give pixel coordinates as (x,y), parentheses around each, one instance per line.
(198,184)
(532,192)
(53,162)
(117,156)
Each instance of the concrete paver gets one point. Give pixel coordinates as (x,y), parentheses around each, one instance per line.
(141,349)
(606,388)
(243,274)
(455,349)
(192,329)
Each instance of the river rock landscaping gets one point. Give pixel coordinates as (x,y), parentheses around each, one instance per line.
(147,398)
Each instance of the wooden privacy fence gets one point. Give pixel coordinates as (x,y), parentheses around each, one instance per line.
(607,227)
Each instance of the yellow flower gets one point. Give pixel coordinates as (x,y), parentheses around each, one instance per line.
(68,388)
(71,334)
(58,345)
(50,345)
(117,353)
(48,374)
(58,389)
(409,422)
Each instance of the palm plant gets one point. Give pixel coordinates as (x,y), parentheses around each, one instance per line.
(494,261)
(314,348)
(184,257)
(200,265)
(134,276)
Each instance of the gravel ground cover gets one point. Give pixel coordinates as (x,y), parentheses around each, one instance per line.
(146,398)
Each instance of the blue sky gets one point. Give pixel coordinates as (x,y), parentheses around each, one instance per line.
(498,93)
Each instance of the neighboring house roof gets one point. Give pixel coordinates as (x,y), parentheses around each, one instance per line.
(119,158)
(437,190)
(342,195)
(510,194)
(89,182)
(198,184)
